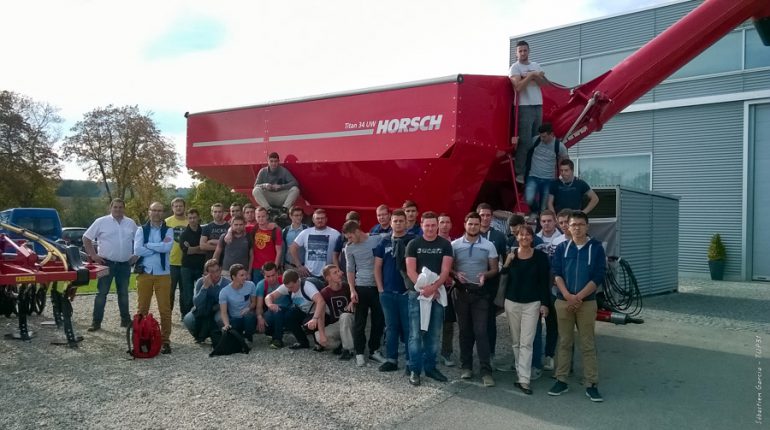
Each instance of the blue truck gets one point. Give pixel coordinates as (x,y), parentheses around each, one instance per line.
(43,221)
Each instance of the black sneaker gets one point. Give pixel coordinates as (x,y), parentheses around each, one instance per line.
(346,355)
(435,374)
(166,348)
(276,344)
(388,367)
(558,389)
(414,378)
(95,327)
(125,323)
(298,345)
(337,350)
(593,393)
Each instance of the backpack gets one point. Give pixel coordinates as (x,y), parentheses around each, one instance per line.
(530,153)
(230,342)
(317,283)
(143,337)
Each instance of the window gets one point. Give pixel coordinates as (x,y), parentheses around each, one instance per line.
(723,56)
(628,170)
(596,66)
(565,73)
(757,54)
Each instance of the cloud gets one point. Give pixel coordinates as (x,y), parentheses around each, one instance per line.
(175,56)
(187,34)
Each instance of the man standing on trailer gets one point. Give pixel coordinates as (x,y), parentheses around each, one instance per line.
(526,77)
(115,236)
(275,186)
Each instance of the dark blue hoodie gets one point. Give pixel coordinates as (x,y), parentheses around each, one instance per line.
(579,266)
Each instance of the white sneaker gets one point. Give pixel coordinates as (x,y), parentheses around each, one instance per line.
(535,374)
(447,360)
(360,361)
(377,356)
(548,363)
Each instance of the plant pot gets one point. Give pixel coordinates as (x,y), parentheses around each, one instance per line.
(717,269)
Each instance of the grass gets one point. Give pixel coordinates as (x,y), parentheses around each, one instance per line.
(91,287)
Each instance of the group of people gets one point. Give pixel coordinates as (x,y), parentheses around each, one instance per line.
(407,281)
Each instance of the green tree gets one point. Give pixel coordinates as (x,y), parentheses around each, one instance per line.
(30,170)
(207,191)
(81,211)
(125,151)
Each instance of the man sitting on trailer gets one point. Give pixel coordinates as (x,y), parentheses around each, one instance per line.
(275,187)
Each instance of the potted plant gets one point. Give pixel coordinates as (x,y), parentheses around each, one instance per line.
(717,254)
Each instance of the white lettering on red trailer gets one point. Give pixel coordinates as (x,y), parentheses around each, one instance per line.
(409,125)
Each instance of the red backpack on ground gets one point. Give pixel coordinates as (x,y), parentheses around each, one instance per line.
(143,337)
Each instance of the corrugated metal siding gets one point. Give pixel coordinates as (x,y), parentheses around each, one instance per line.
(629,133)
(634,234)
(665,244)
(697,154)
(759,80)
(668,15)
(698,88)
(617,33)
(553,45)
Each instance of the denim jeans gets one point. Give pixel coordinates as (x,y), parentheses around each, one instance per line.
(176,279)
(187,288)
(537,187)
(396,309)
(193,323)
(537,346)
(276,321)
(121,272)
(245,325)
(551,330)
(424,346)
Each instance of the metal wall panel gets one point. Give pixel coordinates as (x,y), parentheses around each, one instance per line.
(551,45)
(617,33)
(698,155)
(665,247)
(666,16)
(698,87)
(634,234)
(757,80)
(629,133)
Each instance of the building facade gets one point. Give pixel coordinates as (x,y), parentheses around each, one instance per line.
(702,135)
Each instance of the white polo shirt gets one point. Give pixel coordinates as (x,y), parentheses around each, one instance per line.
(116,239)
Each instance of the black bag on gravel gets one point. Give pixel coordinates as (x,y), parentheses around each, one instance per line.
(231,342)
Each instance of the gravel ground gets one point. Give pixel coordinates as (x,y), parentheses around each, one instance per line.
(98,386)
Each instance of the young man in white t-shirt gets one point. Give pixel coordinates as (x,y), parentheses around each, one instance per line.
(319,244)
(307,311)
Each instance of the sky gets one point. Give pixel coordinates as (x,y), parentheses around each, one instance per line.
(172,56)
